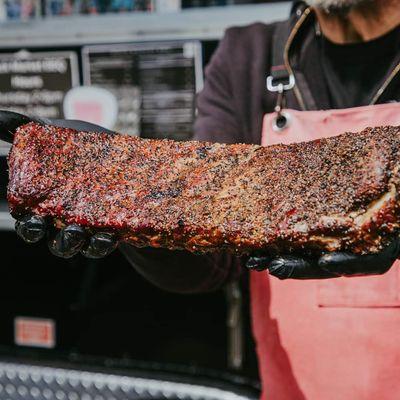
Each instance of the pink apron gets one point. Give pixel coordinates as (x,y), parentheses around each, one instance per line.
(333,339)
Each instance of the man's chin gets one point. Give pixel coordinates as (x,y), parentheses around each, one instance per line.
(336,6)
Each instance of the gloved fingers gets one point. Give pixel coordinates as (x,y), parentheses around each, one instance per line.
(286,267)
(100,245)
(291,267)
(67,242)
(348,264)
(258,262)
(9,122)
(31,228)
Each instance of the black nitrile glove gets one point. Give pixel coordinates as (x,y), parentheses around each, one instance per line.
(71,239)
(329,265)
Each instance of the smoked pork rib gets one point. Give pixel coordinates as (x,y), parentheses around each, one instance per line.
(330,194)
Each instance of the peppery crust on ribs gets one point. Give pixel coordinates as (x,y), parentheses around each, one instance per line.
(331,194)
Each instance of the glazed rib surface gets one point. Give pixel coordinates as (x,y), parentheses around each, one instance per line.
(331,194)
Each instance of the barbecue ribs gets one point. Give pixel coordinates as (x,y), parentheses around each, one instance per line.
(330,194)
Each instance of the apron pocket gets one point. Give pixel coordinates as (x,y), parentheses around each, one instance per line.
(367,291)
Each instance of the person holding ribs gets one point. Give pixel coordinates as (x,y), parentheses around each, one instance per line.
(333,66)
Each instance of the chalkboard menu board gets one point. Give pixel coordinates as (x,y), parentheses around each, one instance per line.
(155,85)
(36,83)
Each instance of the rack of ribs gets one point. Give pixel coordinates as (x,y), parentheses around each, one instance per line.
(340,193)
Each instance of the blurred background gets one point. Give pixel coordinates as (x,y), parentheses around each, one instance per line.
(75,328)
(28,9)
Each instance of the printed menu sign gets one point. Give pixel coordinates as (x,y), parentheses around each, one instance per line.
(155,85)
(36,83)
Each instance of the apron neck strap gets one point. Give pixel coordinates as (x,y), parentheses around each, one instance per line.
(282,80)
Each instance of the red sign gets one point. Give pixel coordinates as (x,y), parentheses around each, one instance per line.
(34,332)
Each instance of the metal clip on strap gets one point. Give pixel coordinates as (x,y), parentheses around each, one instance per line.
(280,84)
(280,81)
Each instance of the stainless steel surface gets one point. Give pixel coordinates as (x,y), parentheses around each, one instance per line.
(202,23)
(6,222)
(4,148)
(235,326)
(28,382)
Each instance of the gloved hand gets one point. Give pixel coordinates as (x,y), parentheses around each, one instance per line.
(71,239)
(328,265)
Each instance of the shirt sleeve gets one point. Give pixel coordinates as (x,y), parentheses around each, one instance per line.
(180,271)
(217,117)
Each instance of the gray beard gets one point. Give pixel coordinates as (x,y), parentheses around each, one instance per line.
(336,6)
